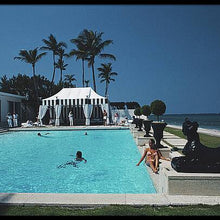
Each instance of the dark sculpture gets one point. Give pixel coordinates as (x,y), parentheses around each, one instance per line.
(140,124)
(198,157)
(147,127)
(158,128)
(135,121)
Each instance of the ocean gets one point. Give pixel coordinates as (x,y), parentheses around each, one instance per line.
(207,121)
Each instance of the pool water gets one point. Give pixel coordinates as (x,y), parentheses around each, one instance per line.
(33,164)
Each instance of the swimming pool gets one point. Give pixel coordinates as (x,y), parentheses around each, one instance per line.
(33,164)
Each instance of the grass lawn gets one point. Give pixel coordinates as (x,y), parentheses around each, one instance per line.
(207,140)
(112,210)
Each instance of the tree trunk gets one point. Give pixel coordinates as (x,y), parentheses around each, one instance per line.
(93,75)
(35,83)
(106,89)
(53,68)
(83,74)
(61,75)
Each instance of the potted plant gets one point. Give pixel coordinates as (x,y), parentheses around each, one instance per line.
(158,108)
(146,111)
(138,121)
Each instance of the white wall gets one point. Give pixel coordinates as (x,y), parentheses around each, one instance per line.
(4,98)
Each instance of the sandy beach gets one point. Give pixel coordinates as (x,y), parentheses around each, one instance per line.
(211,132)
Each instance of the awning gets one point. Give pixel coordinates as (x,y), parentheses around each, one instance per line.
(75,96)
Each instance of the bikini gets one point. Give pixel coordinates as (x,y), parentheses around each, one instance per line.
(150,155)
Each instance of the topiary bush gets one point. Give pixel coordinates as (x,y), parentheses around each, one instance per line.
(158,108)
(137,111)
(145,110)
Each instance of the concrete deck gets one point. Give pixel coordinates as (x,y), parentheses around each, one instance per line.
(93,200)
(170,182)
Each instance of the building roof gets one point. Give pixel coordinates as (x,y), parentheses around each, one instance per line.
(12,95)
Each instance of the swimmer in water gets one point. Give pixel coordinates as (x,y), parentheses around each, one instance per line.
(67,163)
(79,157)
(39,134)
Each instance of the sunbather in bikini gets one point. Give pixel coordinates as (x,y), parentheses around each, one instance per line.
(152,156)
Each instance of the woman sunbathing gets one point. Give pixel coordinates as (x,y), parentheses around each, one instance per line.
(152,156)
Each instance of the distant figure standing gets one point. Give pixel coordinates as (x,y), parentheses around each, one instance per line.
(71,118)
(116,118)
(104,117)
(9,119)
(15,119)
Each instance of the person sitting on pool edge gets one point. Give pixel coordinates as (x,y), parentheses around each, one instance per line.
(153,156)
(79,156)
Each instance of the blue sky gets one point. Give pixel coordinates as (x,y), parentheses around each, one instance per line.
(166,52)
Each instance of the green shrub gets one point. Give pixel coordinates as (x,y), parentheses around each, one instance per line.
(158,108)
(145,110)
(137,112)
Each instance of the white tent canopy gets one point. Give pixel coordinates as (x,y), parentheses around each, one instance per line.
(74,94)
(85,97)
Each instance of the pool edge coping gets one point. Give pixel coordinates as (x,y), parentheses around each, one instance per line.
(93,200)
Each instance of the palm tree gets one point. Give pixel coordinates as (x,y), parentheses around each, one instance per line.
(80,53)
(31,57)
(106,75)
(69,78)
(87,83)
(60,65)
(54,46)
(94,45)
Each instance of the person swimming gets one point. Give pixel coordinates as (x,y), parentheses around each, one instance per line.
(74,164)
(78,159)
(39,134)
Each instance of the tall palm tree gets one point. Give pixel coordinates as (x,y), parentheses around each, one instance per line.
(54,46)
(69,78)
(60,63)
(106,75)
(31,57)
(94,46)
(80,53)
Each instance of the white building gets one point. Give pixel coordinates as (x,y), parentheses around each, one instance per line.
(9,103)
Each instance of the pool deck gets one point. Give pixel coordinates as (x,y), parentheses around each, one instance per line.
(94,200)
